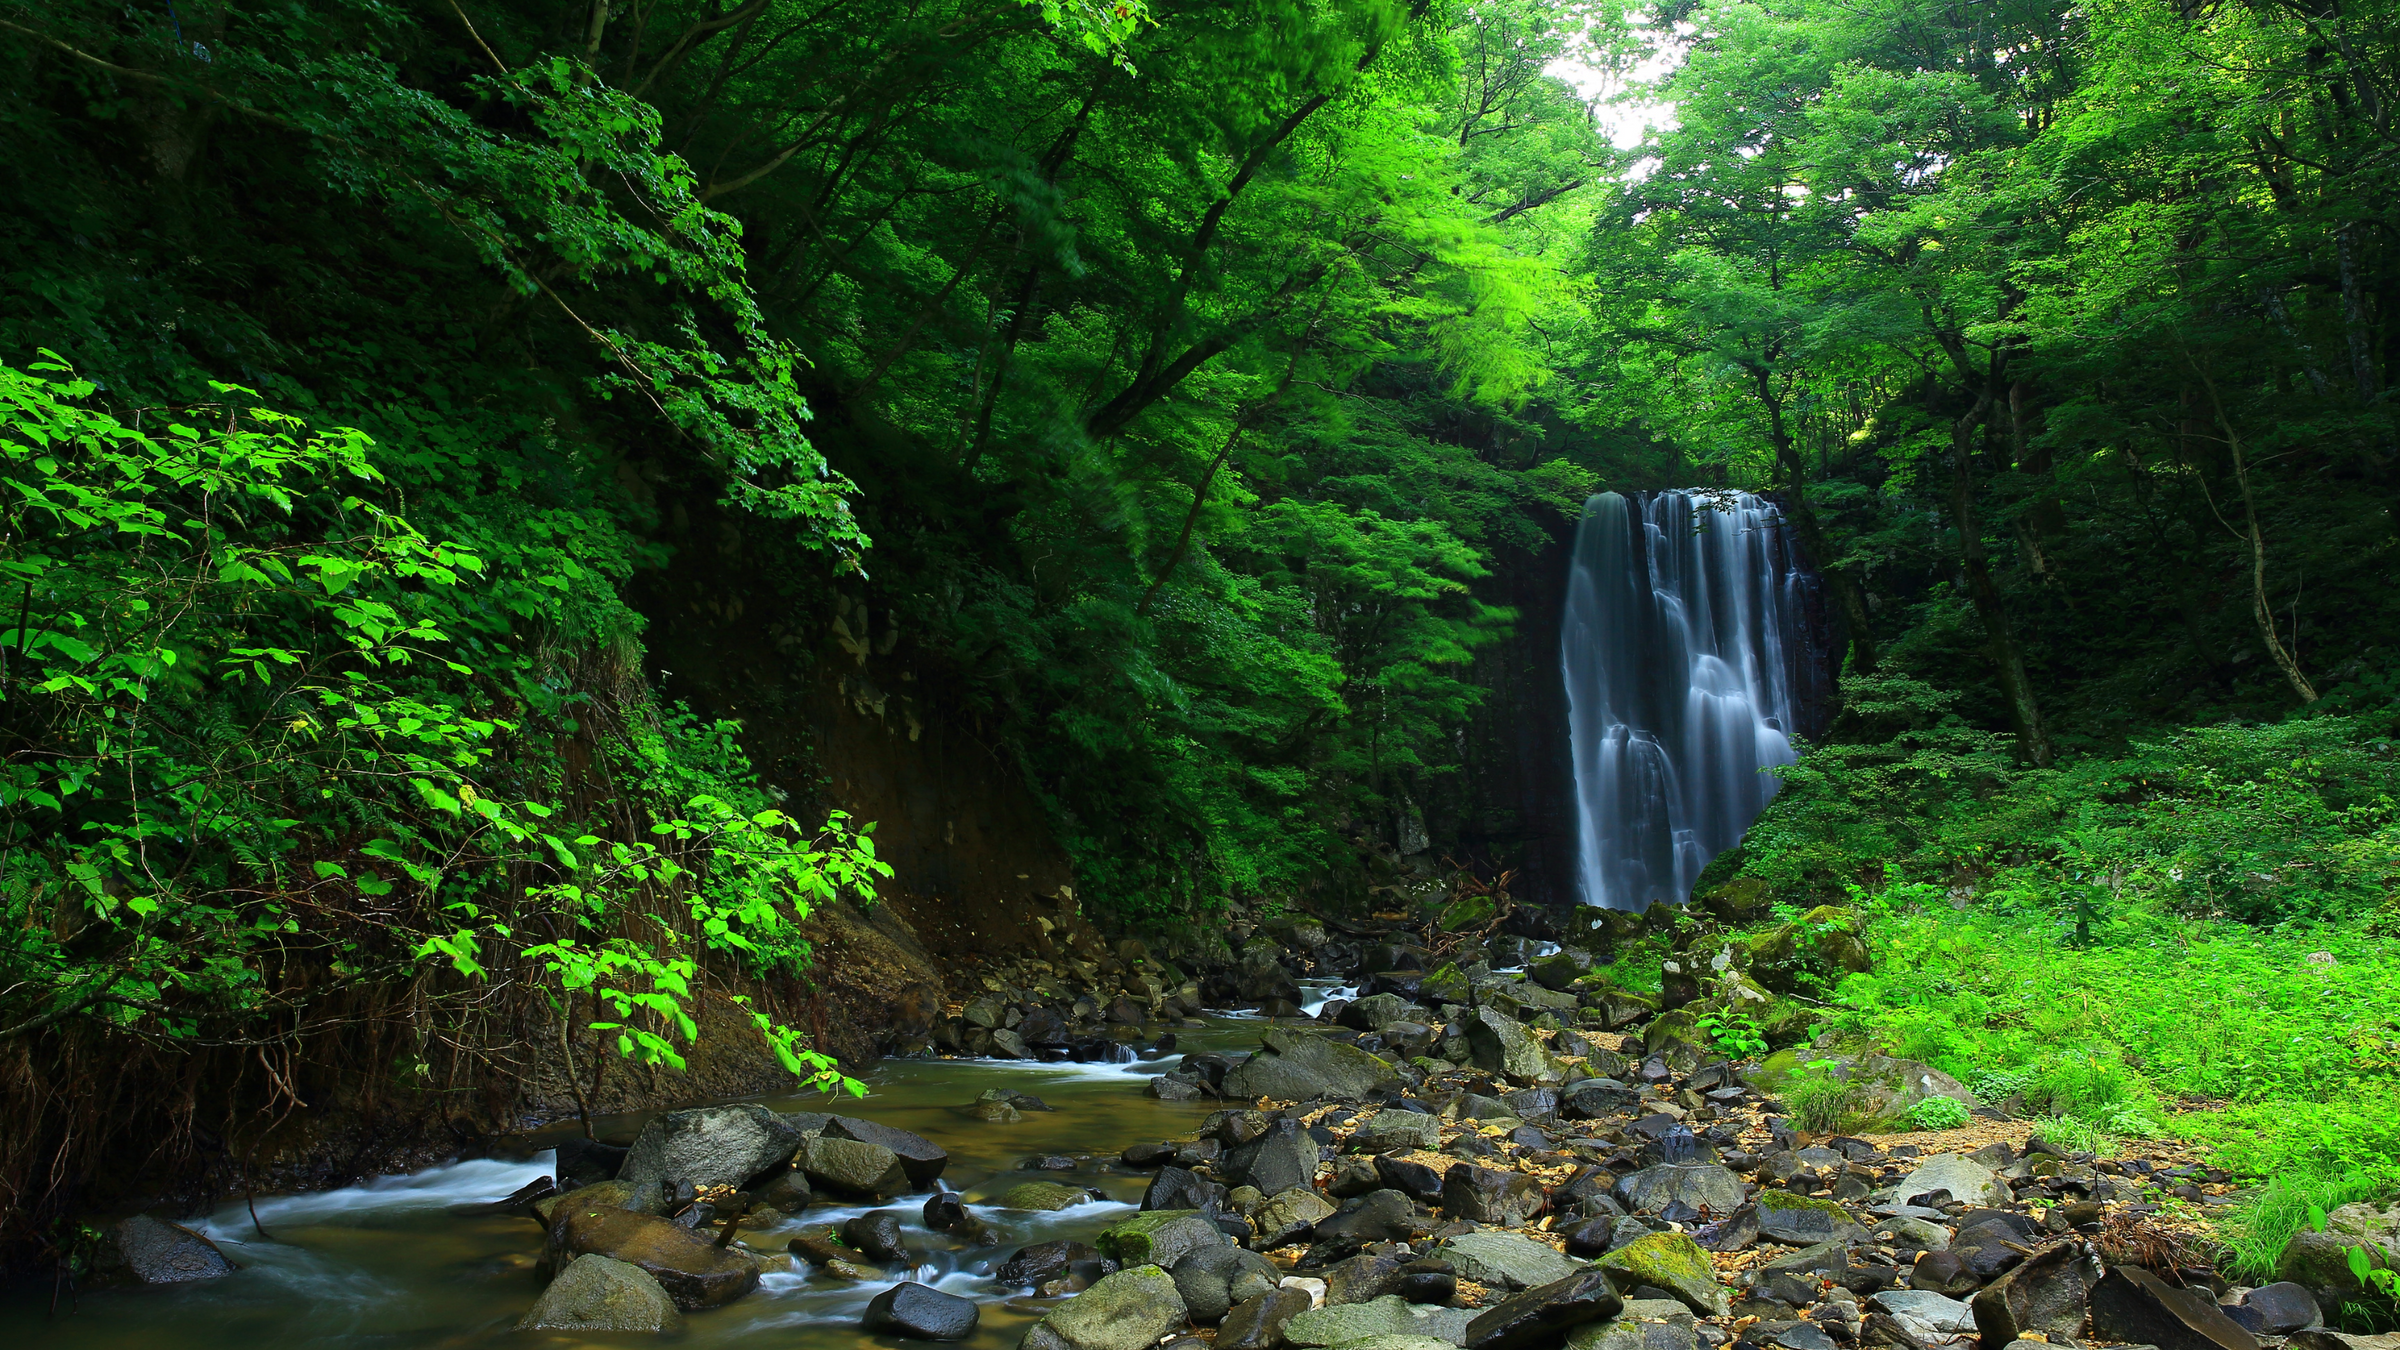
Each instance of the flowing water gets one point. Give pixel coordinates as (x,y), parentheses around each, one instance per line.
(392,1265)
(1681,651)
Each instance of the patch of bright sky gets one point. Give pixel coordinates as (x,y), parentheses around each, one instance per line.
(1624,97)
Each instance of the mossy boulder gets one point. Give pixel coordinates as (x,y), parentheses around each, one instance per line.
(601,1293)
(1811,954)
(1041,1195)
(1612,1005)
(1736,902)
(1159,1237)
(1805,1220)
(1447,985)
(1465,912)
(1671,1029)
(1674,1263)
(1561,968)
(1128,1310)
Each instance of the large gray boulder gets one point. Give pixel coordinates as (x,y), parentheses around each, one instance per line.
(1489,1196)
(1540,1315)
(601,1293)
(1213,1279)
(2130,1305)
(1295,1066)
(1707,1187)
(1595,1097)
(846,1166)
(1925,1314)
(1377,1216)
(2048,1294)
(1506,1260)
(1349,1324)
(711,1146)
(1500,1044)
(1377,1011)
(1275,1162)
(1289,1216)
(153,1251)
(1645,1324)
(1389,1131)
(1969,1182)
(1129,1310)
(919,1312)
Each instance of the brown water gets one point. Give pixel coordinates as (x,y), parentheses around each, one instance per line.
(390,1266)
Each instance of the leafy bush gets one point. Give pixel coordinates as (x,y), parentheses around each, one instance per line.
(268,775)
(1735,1033)
(1937,1113)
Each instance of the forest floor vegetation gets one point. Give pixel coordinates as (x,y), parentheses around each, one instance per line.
(2191,939)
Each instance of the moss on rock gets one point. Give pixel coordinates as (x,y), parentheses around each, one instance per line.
(1159,1236)
(1673,1262)
(1809,954)
(1770,1198)
(1042,1195)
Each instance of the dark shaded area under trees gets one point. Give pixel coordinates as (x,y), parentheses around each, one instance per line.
(1165,394)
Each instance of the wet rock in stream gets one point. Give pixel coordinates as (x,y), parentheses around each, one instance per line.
(712,1146)
(920,1313)
(695,1272)
(144,1250)
(601,1293)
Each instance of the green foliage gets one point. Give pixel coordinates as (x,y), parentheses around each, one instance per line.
(2074,1134)
(2266,824)
(2266,1220)
(1818,1100)
(240,713)
(1735,1033)
(1937,1113)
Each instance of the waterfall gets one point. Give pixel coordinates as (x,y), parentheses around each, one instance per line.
(1681,649)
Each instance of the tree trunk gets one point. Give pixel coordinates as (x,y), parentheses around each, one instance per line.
(2008,659)
(1848,595)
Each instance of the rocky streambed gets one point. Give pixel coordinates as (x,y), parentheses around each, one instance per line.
(1406,1171)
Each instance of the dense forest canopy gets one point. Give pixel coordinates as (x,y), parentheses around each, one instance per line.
(1167,384)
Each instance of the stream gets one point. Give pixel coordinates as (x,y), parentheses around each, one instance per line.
(391,1263)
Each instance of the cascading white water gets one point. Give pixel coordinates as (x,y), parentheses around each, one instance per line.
(1683,626)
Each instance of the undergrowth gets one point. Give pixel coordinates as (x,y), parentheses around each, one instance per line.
(2190,940)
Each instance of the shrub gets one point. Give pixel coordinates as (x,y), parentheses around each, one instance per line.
(1937,1113)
